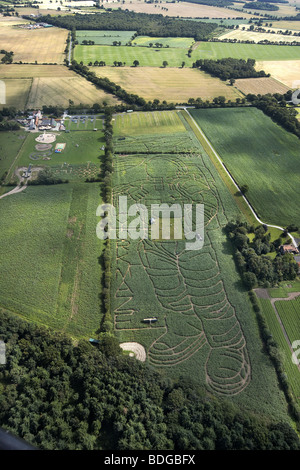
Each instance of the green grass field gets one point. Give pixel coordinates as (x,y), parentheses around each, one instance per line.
(291,370)
(82,148)
(219,50)
(151,57)
(10,144)
(205,326)
(285,289)
(154,57)
(289,312)
(182,43)
(49,257)
(259,153)
(104,37)
(161,122)
(49,250)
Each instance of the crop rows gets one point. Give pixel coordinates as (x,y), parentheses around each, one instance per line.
(289,312)
(291,369)
(183,289)
(260,153)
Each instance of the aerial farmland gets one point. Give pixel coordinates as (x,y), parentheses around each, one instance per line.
(149,226)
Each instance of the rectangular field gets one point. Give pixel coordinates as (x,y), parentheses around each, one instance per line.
(260,153)
(58,91)
(291,370)
(288,73)
(260,86)
(184,10)
(10,144)
(205,328)
(285,289)
(169,84)
(17,92)
(156,122)
(49,269)
(82,148)
(289,312)
(285,10)
(152,57)
(256,36)
(32,86)
(291,25)
(105,37)
(182,43)
(44,45)
(219,50)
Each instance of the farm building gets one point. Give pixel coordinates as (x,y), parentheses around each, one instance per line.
(289,249)
(46,122)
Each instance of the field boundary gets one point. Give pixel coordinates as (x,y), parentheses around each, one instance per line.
(234,182)
(15,160)
(263,293)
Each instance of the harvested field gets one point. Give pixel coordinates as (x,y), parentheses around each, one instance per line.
(11,21)
(54,91)
(32,86)
(170,84)
(260,86)
(34,71)
(17,92)
(284,10)
(287,73)
(42,45)
(256,37)
(47,10)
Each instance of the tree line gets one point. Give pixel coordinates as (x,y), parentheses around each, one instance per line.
(108,342)
(6,120)
(261,6)
(144,24)
(131,99)
(230,68)
(273,1)
(276,107)
(256,268)
(8,56)
(59,396)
